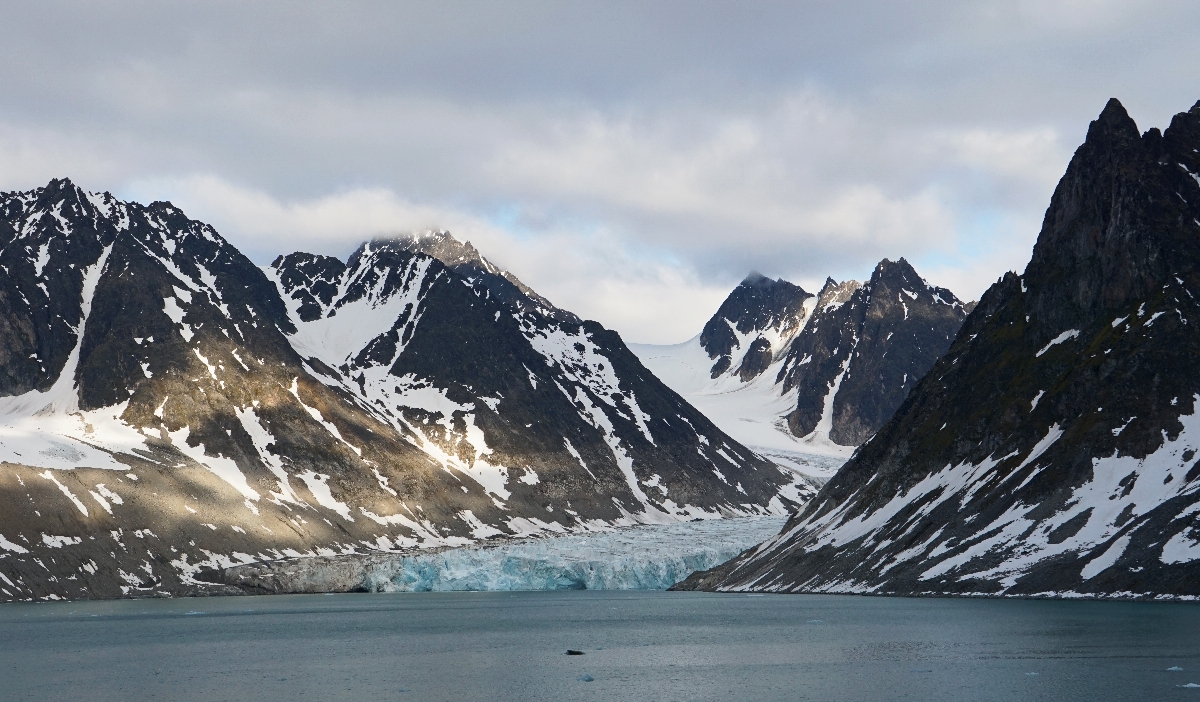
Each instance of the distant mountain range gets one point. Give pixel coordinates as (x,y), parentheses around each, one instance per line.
(787,372)
(1053,450)
(168,409)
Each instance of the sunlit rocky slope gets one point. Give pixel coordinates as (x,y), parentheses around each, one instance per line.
(1053,450)
(168,409)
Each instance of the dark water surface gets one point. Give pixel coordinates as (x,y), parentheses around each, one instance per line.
(637,646)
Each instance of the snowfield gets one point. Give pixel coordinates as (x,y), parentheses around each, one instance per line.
(754,413)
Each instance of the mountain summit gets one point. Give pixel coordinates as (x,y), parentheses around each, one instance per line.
(1053,450)
(758,319)
(788,372)
(865,349)
(169,410)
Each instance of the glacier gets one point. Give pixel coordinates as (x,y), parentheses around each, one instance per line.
(644,557)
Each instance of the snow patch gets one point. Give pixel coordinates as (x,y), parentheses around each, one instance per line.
(1065,336)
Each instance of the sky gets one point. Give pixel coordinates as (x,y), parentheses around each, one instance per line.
(630,161)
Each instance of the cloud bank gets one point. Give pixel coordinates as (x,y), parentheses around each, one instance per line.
(629,161)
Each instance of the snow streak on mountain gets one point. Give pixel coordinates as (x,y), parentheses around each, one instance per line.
(1053,450)
(168,409)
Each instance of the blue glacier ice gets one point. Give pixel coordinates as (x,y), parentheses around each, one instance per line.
(651,557)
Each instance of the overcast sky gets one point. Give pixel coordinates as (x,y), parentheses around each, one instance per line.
(630,161)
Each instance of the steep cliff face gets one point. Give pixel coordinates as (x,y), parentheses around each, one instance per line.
(1053,449)
(168,409)
(865,349)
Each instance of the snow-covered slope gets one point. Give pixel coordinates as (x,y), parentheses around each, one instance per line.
(168,409)
(754,412)
(1053,450)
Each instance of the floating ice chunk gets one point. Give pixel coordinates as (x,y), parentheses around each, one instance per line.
(1175,668)
(587,678)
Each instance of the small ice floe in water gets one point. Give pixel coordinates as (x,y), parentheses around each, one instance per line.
(587,678)
(191,614)
(815,621)
(1031,673)
(1174,668)
(573,652)
(1190,685)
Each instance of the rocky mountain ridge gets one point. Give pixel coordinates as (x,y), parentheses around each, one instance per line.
(169,410)
(1053,450)
(790,373)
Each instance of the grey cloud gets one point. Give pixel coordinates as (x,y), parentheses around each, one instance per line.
(700,139)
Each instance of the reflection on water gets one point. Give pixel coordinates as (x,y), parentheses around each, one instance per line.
(636,646)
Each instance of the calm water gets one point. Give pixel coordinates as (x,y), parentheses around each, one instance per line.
(638,646)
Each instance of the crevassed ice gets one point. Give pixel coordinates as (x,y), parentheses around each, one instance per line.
(651,557)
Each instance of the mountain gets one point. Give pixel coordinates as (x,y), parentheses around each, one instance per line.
(1053,450)
(465,260)
(759,318)
(789,373)
(168,409)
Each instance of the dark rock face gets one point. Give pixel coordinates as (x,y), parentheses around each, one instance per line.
(1054,448)
(757,309)
(865,348)
(168,409)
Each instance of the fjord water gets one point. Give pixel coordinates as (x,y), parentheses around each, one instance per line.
(636,645)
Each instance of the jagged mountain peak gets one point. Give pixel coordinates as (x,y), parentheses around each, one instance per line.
(834,294)
(899,278)
(899,268)
(1098,257)
(1112,127)
(754,323)
(443,246)
(464,259)
(864,349)
(315,406)
(1052,450)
